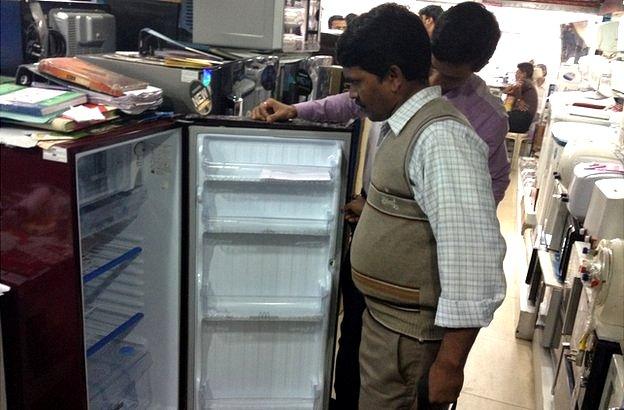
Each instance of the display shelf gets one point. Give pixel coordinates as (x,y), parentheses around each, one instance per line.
(120,208)
(543,373)
(117,377)
(267,173)
(279,226)
(249,308)
(547,263)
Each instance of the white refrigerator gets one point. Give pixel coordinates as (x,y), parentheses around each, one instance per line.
(265,229)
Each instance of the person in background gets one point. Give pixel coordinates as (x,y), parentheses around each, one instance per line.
(539,80)
(522,98)
(337,23)
(429,16)
(425,301)
(471,50)
(350,17)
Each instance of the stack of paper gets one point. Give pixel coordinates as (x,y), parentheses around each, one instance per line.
(75,118)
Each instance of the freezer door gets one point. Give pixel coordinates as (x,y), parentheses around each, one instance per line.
(129,198)
(264,265)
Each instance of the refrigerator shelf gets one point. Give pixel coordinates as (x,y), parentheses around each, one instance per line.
(120,208)
(117,377)
(105,325)
(118,262)
(268,173)
(258,308)
(260,403)
(277,226)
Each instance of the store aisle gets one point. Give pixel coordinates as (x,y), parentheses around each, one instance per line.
(499,372)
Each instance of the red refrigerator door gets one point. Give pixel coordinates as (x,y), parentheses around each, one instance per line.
(42,314)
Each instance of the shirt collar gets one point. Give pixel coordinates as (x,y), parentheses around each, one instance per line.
(406,111)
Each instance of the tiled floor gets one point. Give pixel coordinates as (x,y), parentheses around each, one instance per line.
(499,372)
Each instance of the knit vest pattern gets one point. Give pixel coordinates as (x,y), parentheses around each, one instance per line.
(393,251)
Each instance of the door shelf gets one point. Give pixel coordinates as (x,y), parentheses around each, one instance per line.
(117,377)
(120,208)
(260,403)
(260,308)
(268,173)
(278,226)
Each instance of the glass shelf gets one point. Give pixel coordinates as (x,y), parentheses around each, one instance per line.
(119,208)
(103,326)
(269,173)
(259,308)
(280,226)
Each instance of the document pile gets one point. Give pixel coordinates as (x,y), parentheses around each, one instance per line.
(101,86)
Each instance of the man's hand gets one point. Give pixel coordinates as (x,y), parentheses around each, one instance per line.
(445,383)
(446,375)
(272,110)
(353,209)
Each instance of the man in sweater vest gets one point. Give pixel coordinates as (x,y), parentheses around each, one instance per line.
(427,252)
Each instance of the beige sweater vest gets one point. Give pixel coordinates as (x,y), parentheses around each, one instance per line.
(393,252)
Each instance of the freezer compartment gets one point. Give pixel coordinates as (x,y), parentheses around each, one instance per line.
(115,211)
(107,324)
(109,172)
(269,363)
(264,265)
(118,377)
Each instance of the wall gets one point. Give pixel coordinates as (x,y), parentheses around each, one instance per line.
(527,34)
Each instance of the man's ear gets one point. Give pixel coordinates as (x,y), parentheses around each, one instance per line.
(395,77)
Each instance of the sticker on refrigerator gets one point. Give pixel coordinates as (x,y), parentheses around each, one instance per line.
(201,97)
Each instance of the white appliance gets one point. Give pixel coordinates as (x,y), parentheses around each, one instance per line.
(288,25)
(613,393)
(582,185)
(605,212)
(264,260)
(571,143)
(608,311)
(84,31)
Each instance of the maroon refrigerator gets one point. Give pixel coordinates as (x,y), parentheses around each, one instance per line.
(91,237)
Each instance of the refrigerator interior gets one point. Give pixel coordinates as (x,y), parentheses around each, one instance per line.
(130,216)
(268,233)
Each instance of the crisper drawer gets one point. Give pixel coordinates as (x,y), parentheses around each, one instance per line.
(264,364)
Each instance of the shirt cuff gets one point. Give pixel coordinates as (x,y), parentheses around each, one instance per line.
(305,110)
(466,313)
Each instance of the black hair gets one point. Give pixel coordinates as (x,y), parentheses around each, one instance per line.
(350,17)
(467,33)
(334,18)
(387,35)
(431,11)
(526,68)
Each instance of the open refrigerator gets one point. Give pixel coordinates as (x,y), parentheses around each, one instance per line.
(91,238)
(264,254)
(175,265)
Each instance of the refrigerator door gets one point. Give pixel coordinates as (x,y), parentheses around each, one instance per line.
(130,231)
(266,225)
